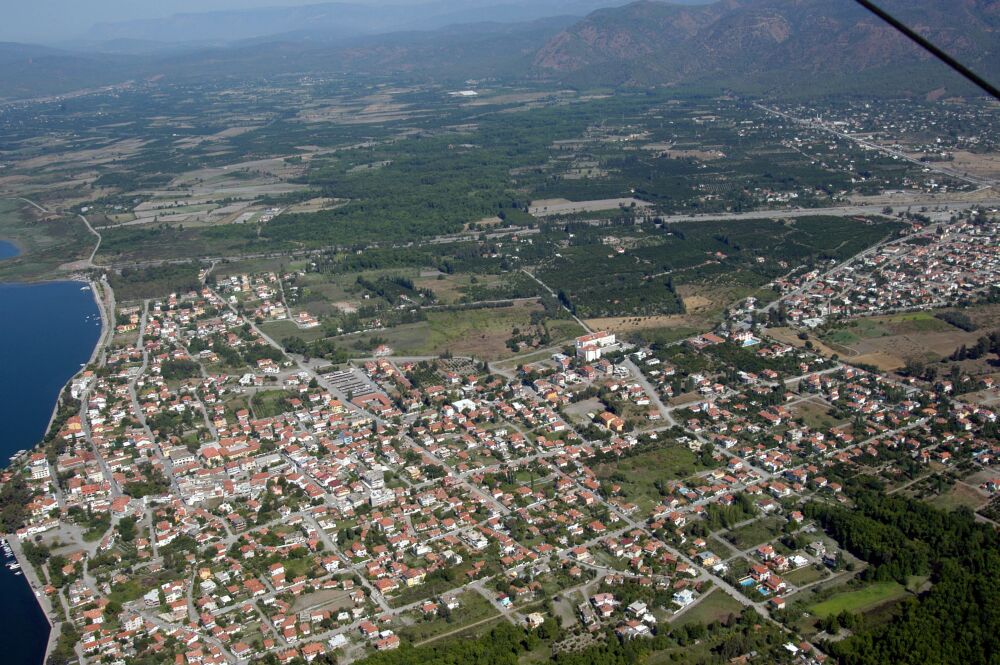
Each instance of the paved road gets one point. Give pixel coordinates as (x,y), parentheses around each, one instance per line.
(836,211)
(653,393)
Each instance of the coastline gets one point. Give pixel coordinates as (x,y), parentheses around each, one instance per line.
(36,585)
(105,328)
(31,575)
(101,299)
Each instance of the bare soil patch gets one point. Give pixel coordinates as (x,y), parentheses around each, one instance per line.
(985,164)
(546,208)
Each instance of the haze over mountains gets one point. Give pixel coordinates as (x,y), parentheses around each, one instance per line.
(768,42)
(336,20)
(744,45)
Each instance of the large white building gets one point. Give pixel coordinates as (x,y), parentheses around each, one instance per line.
(591,347)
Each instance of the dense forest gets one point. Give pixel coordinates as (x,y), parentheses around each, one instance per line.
(958,620)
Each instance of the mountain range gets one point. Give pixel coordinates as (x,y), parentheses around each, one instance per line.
(771,43)
(756,46)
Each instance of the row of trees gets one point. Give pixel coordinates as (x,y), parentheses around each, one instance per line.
(984,345)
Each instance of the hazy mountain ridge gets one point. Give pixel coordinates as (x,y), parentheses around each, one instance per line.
(755,41)
(337,19)
(453,53)
(755,46)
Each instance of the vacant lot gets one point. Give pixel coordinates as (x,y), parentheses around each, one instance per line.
(805,575)
(270,403)
(449,289)
(703,306)
(640,474)
(279,330)
(814,413)
(889,341)
(481,333)
(756,533)
(960,495)
(578,412)
(624,325)
(985,164)
(473,609)
(328,599)
(869,597)
(716,606)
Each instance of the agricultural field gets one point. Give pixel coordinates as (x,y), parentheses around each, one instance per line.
(364,165)
(692,268)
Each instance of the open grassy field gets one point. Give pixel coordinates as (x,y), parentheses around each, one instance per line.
(49,244)
(473,609)
(889,341)
(960,495)
(639,474)
(279,330)
(814,413)
(452,288)
(661,326)
(756,533)
(716,606)
(269,403)
(805,575)
(790,336)
(863,599)
(481,333)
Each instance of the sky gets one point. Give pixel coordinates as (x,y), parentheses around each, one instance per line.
(50,21)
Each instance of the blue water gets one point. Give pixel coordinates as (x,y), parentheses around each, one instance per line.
(46,332)
(8,250)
